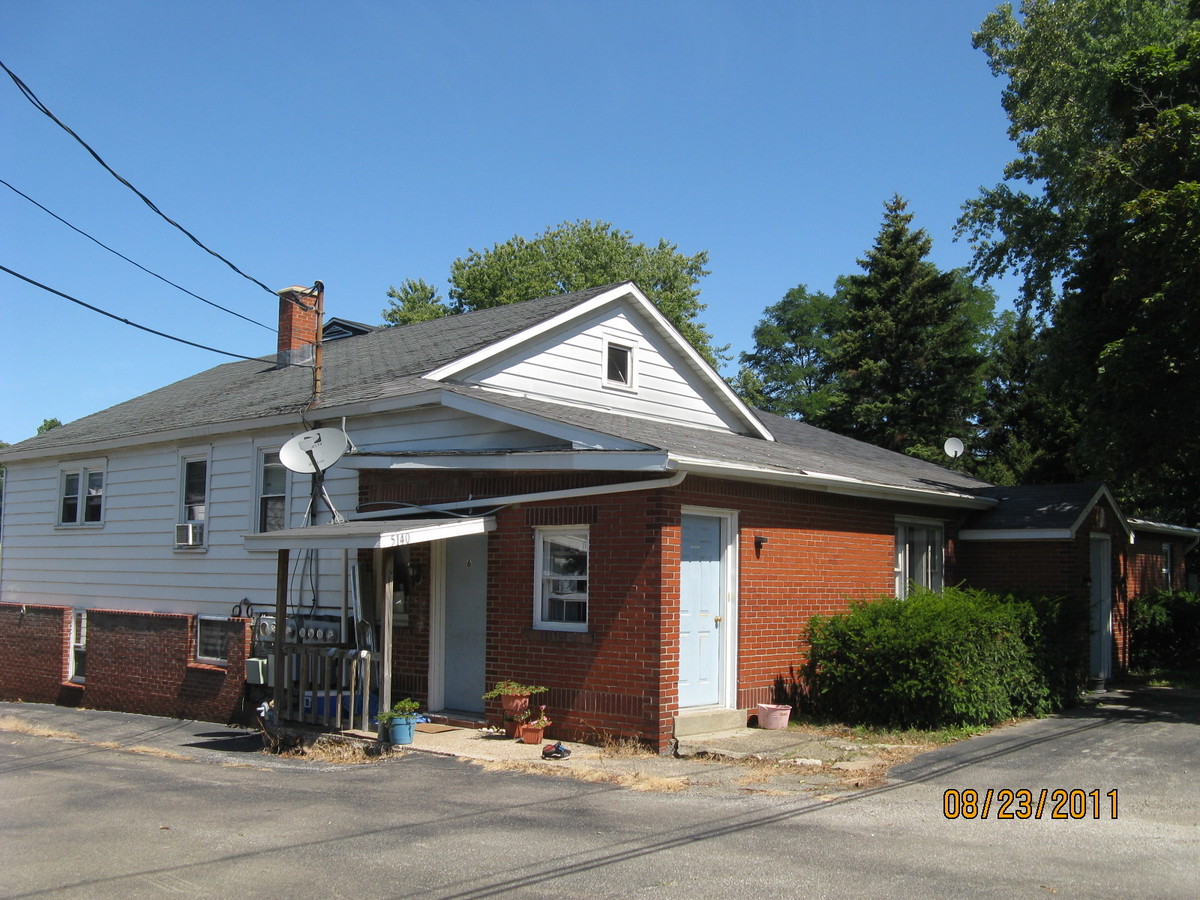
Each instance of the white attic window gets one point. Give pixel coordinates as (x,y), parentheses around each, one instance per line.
(620,361)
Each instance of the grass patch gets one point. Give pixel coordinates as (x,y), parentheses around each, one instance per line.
(20,726)
(1173,678)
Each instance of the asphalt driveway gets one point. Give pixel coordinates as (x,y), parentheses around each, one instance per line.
(116,812)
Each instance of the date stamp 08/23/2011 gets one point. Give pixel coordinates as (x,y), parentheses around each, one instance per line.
(1023,803)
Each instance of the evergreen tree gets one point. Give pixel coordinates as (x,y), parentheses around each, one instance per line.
(909,358)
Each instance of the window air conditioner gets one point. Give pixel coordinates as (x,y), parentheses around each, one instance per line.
(189,535)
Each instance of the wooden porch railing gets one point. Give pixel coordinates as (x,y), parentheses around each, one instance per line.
(337,685)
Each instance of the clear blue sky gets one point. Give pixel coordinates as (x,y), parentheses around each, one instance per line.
(362,143)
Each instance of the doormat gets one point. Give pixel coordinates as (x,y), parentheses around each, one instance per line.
(433,728)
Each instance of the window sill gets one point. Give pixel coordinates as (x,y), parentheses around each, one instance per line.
(78,526)
(552,636)
(223,668)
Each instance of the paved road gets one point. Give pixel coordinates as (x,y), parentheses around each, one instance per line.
(79,820)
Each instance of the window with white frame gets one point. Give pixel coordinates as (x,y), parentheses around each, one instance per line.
(1168,572)
(193,502)
(618,364)
(918,555)
(212,639)
(272,493)
(77,665)
(81,495)
(561,564)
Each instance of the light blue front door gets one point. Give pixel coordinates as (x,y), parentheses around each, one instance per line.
(701,591)
(466,621)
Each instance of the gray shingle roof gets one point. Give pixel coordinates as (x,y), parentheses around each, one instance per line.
(798,447)
(387,362)
(1035,506)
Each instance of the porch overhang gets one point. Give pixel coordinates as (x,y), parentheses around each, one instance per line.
(374,534)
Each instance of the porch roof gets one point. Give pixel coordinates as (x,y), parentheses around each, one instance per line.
(369,535)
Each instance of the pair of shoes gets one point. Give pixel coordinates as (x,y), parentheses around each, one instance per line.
(555,751)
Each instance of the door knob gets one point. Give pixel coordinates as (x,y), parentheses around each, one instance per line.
(717,620)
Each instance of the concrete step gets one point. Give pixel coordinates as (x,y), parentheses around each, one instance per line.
(706,721)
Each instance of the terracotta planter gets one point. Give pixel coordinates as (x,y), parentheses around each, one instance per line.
(513,705)
(532,734)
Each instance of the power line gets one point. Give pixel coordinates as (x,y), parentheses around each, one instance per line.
(41,107)
(130,261)
(102,312)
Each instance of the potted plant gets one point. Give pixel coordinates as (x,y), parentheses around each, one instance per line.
(514,700)
(400,719)
(532,727)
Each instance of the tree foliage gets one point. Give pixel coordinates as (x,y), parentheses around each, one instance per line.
(1058,57)
(414,301)
(569,257)
(909,356)
(788,372)
(1103,102)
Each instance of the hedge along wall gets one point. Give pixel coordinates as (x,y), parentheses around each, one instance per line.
(136,662)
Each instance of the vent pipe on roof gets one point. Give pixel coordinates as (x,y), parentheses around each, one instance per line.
(301,321)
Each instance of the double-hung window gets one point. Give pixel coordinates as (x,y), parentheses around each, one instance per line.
(272,494)
(81,495)
(193,502)
(918,555)
(561,564)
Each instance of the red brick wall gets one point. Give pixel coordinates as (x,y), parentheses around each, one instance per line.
(34,643)
(605,680)
(136,662)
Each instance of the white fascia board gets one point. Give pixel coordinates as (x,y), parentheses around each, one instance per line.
(293,421)
(1016,534)
(1181,531)
(581,438)
(520,460)
(363,534)
(1104,493)
(174,436)
(834,484)
(630,291)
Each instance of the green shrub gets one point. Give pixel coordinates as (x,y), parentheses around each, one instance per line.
(1165,631)
(958,657)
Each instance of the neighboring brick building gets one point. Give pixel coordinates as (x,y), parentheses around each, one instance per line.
(559,492)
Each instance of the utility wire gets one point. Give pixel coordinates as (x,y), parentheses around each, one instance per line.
(41,107)
(130,261)
(125,321)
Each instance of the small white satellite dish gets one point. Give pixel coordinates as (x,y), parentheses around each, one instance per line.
(314,451)
(953,447)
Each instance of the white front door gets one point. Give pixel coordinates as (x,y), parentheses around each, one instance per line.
(704,621)
(1102,631)
(464,623)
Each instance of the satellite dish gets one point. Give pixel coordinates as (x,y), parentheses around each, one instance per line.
(314,451)
(953,447)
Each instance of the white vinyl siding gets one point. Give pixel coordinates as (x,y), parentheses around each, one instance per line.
(573,368)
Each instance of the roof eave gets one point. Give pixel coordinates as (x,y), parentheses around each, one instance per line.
(833,484)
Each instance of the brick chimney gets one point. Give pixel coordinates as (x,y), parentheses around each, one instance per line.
(300,313)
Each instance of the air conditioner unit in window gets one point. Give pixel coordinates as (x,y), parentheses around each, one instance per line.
(189,535)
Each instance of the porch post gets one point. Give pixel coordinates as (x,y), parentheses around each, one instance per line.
(384,565)
(281,583)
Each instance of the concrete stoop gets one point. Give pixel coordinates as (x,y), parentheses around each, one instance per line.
(707,721)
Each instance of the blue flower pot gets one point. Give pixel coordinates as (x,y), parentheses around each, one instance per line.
(400,731)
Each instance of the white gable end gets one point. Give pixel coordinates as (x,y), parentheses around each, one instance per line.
(581,363)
